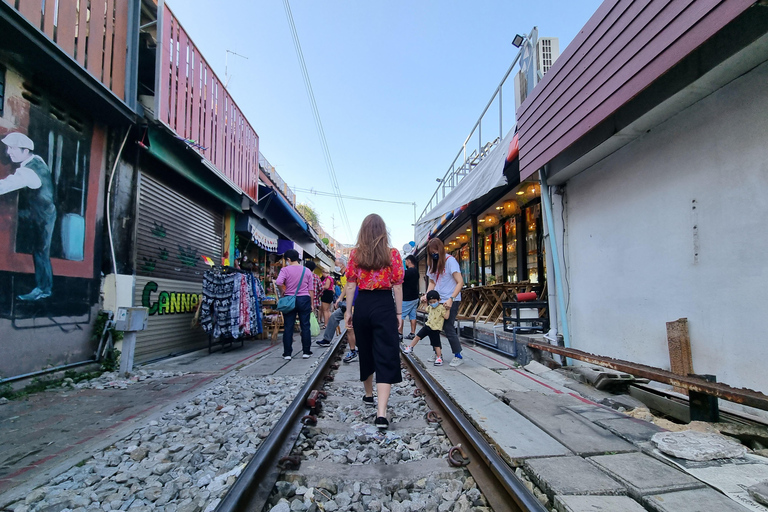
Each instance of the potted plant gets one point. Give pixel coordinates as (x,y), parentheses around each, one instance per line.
(472,282)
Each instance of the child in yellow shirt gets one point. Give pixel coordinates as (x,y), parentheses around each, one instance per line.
(437,314)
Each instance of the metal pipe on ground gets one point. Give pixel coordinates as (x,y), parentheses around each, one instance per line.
(743,396)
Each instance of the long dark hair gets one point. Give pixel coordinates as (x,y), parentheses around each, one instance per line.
(436,246)
(372,251)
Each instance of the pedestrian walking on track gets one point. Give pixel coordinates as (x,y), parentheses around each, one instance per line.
(445,277)
(376,270)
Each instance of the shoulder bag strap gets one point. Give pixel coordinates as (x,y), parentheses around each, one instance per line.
(300,280)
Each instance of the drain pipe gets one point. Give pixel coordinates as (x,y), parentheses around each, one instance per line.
(546,199)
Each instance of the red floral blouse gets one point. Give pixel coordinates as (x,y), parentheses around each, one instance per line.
(383,278)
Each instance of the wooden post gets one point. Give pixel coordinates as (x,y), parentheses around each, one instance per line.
(679,344)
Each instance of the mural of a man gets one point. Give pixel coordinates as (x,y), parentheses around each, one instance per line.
(33,178)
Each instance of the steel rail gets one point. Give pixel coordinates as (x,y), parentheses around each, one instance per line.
(743,396)
(493,465)
(252,488)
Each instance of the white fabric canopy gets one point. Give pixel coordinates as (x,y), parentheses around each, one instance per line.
(488,175)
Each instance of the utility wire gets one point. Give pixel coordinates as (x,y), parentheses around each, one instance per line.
(331,194)
(318,122)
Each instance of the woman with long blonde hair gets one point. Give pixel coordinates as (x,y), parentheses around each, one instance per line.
(376,270)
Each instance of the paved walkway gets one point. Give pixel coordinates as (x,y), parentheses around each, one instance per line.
(584,455)
(49,432)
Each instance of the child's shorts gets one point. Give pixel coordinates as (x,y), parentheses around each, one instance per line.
(434,336)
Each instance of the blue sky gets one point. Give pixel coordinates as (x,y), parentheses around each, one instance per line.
(398,84)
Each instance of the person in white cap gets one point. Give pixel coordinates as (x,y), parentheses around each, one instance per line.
(33,178)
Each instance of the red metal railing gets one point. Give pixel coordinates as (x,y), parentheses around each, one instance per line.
(193,102)
(92,32)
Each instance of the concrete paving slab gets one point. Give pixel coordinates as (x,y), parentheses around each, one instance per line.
(550,413)
(631,429)
(516,436)
(645,475)
(697,500)
(759,492)
(597,504)
(490,380)
(595,412)
(508,370)
(573,476)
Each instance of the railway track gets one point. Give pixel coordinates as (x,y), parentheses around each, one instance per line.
(325,453)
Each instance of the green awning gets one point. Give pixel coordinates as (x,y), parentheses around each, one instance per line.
(181,158)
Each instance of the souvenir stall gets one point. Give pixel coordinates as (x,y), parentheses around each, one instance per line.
(230,309)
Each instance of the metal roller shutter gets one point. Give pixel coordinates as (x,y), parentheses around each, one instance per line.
(172,235)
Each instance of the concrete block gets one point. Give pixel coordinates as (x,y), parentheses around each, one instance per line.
(597,504)
(517,437)
(551,414)
(644,475)
(572,475)
(633,430)
(697,500)
(699,446)
(759,492)
(596,412)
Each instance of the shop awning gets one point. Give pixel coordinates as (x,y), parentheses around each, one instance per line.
(179,157)
(285,245)
(327,260)
(309,248)
(261,235)
(279,214)
(488,175)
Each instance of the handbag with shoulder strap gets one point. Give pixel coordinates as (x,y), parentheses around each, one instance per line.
(287,303)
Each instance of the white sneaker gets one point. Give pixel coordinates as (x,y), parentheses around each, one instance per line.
(408,350)
(456,361)
(287,358)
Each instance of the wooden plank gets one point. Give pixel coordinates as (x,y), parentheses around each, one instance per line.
(182,84)
(680,36)
(50,16)
(81,33)
(668,55)
(32,10)
(163,91)
(95,59)
(174,73)
(573,62)
(628,41)
(220,125)
(208,111)
(108,36)
(679,345)
(120,48)
(195,92)
(65,29)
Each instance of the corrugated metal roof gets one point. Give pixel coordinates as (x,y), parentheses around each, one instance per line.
(623,48)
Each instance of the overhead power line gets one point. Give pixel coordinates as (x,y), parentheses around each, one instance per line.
(318,122)
(330,194)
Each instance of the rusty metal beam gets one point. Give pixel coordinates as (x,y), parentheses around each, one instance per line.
(717,389)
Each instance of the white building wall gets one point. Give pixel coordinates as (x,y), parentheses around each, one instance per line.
(639,255)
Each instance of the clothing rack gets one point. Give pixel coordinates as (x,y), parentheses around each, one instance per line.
(230,308)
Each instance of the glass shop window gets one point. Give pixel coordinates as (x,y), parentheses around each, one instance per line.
(510,226)
(532,221)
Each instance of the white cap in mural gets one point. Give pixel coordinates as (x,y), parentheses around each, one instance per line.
(18,140)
